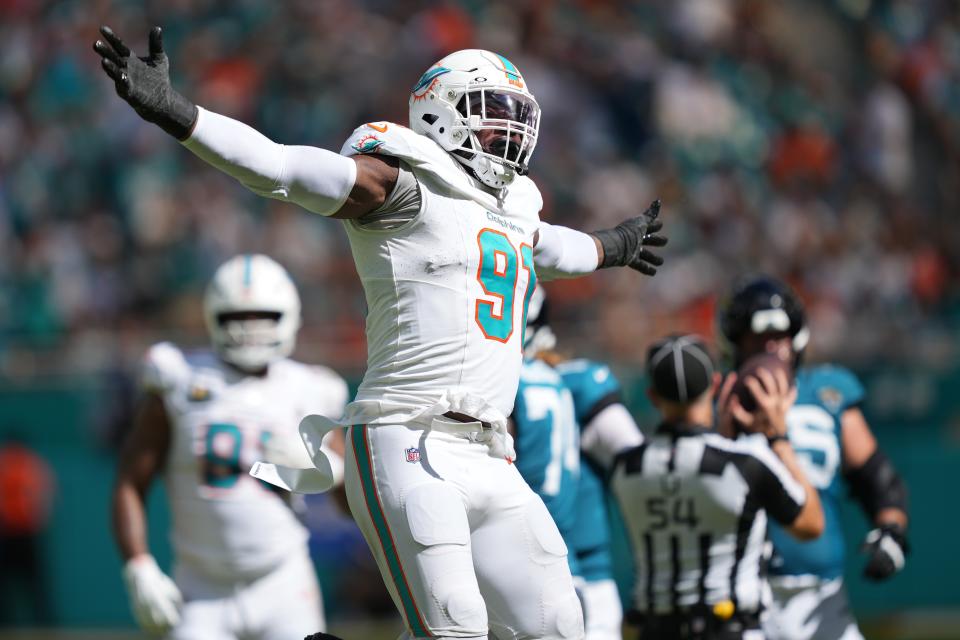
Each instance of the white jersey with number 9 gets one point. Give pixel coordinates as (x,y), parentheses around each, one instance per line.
(447,291)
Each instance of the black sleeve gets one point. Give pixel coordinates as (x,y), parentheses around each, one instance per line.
(877,485)
(769,488)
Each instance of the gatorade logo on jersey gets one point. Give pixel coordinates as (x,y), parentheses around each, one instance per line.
(413,454)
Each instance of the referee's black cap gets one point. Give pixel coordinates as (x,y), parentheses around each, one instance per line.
(680,368)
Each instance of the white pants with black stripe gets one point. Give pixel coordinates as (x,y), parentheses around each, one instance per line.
(807,608)
(465,547)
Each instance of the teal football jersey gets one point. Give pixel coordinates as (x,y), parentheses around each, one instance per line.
(548,442)
(813,426)
(594,388)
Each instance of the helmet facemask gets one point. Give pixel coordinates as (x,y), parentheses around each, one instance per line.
(252,312)
(251,340)
(765,309)
(476,105)
(499,130)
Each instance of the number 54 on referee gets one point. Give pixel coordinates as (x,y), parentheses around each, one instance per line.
(696,503)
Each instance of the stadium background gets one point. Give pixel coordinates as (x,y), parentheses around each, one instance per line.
(816,140)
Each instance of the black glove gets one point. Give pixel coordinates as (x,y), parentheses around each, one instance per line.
(886,548)
(623,246)
(145,83)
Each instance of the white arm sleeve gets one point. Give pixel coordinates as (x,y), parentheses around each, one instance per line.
(316,179)
(610,432)
(562,252)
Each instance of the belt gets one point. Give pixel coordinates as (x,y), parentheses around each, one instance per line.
(462,417)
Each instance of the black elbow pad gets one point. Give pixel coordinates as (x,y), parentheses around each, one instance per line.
(877,485)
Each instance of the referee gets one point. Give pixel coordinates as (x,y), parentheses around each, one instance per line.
(696,503)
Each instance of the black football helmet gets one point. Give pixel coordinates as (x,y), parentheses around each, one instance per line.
(538,336)
(758,305)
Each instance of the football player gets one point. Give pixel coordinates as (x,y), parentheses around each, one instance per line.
(546,435)
(833,441)
(444,227)
(605,429)
(242,567)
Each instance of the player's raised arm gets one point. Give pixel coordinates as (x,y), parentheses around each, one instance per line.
(560,252)
(321,181)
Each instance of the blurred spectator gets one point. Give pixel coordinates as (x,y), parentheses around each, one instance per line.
(26,496)
(781,136)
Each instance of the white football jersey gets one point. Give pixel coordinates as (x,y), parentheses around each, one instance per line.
(225,522)
(447,291)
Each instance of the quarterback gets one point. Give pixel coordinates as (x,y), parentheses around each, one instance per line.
(444,227)
(833,441)
(242,566)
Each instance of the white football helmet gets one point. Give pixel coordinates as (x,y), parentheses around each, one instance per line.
(252,311)
(476,105)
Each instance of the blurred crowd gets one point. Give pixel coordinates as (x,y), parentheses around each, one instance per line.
(818,141)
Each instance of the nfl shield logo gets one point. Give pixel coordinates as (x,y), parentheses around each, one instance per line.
(413,454)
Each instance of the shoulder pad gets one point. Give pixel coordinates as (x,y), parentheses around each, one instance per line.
(323,389)
(588,372)
(390,139)
(164,366)
(534,371)
(432,162)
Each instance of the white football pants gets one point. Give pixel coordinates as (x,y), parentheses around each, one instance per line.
(465,547)
(284,604)
(804,611)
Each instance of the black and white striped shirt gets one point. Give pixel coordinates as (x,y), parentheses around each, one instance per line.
(695,505)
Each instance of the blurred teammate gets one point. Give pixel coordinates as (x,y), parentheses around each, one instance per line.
(832,439)
(242,565)
(445,232)
(605,428)
(696,503)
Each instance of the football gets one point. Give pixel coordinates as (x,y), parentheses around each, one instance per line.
(767,361)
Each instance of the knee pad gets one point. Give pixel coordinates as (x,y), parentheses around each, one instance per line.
(568,618)
(438,522)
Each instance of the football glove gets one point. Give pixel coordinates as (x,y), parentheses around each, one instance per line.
(625,244)
(154,598)
(145,83)
(886,548)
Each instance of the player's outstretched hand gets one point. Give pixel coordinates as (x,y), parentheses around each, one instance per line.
(626,244)
(145,82)
(886,549)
